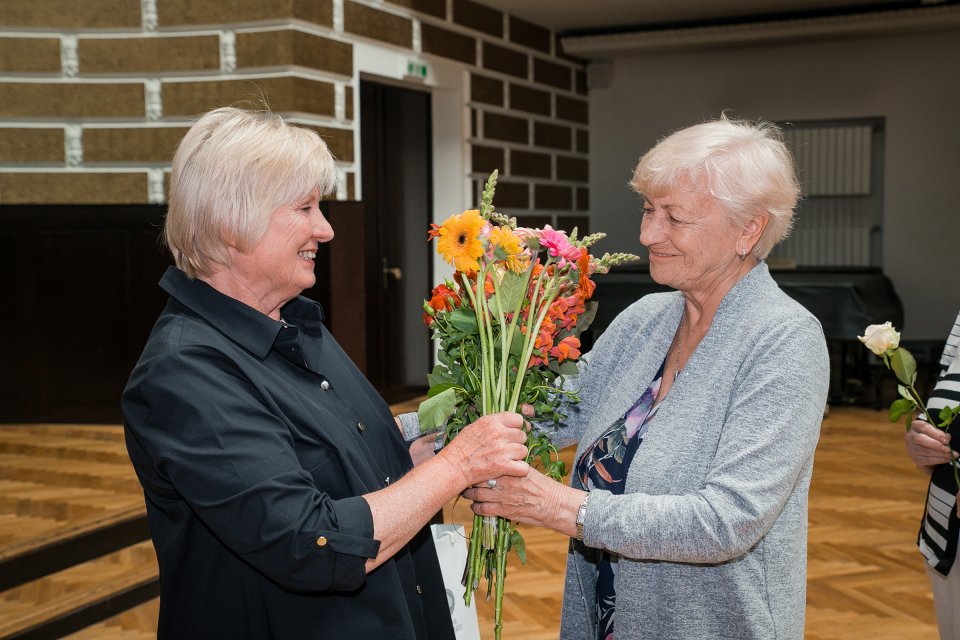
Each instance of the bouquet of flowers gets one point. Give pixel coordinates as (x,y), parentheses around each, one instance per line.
(884,341)
(507,324)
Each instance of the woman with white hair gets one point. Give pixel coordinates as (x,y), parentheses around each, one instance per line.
(700,411)
(281,497)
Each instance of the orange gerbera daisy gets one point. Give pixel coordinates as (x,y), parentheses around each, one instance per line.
(459,242)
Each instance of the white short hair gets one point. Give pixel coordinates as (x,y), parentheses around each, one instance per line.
(231,171)
(744,166)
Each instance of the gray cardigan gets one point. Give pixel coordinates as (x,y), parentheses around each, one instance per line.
(712,527)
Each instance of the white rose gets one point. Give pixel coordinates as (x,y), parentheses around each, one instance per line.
(880,338)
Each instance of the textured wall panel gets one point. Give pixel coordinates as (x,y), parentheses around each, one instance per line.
(551,135)
(575,169)
(486,159)
(550,73)
(532,100)
(449,44)
(484,89)
(435,8)
(290,47)
(572,109)
(529,35)
(73,188)
(31,145)
(30,55)
(506,128)
(474,15)
(548,196)
(195,12)
(146,144)
(149,55)
(71,14)
(29,99)
(504,60)
(281,94)
(530,164)
(372,23)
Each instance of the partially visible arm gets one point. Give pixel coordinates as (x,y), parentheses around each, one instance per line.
(204,440)
(762,452)
(767,440)
(491,447)
(535,499)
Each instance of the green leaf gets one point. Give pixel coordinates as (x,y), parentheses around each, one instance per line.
(947,414)
(900,408)
(433,412)
(904,393)
(565,368)
(439,375)
(560,467)
(437,389)
(511,288)
(586,318)
(464,320)
(904,366)
(518,545)
(443,357)
(516,344)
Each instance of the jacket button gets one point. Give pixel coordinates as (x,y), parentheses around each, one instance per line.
(386,480)
(360,427)
(321,541)
(324,385)
(419,589)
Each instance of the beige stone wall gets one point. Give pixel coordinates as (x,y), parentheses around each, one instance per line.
(97,93)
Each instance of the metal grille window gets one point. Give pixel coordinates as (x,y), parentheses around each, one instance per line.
(839,221)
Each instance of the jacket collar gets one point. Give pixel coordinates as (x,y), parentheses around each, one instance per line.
(243,324)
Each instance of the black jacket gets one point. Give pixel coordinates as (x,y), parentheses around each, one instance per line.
(254,440)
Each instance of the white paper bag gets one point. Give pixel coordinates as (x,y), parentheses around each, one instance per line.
(451,543)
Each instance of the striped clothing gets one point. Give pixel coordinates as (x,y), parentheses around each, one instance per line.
(939,529)
(953,342)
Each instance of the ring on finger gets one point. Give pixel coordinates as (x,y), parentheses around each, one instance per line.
(491,483)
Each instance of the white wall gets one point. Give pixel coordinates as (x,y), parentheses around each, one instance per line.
(912,80)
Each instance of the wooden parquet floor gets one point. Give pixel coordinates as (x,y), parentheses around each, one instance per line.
(865,576)
(56,480)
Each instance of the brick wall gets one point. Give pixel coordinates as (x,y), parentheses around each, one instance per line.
(97,93)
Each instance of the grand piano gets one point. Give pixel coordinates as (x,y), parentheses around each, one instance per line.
(844,300)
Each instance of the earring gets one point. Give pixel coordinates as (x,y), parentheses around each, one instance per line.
(742,254)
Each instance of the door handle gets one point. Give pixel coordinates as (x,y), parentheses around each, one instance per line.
(396,272)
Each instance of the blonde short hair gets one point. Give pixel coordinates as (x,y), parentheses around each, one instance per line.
(231,171)
(745,166)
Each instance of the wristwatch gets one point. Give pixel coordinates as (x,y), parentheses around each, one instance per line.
(582,515)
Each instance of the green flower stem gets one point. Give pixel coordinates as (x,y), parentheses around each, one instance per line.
(506,339)
(478,312)
(472,580)
(488,347)
(529,339)
(549,295)
(503,530)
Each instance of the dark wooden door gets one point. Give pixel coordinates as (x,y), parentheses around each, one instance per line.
(395,132)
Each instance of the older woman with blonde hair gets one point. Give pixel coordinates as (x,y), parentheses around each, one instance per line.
(700,411)
(281,496)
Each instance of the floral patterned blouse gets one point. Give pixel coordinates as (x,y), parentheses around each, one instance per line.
(604,466)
